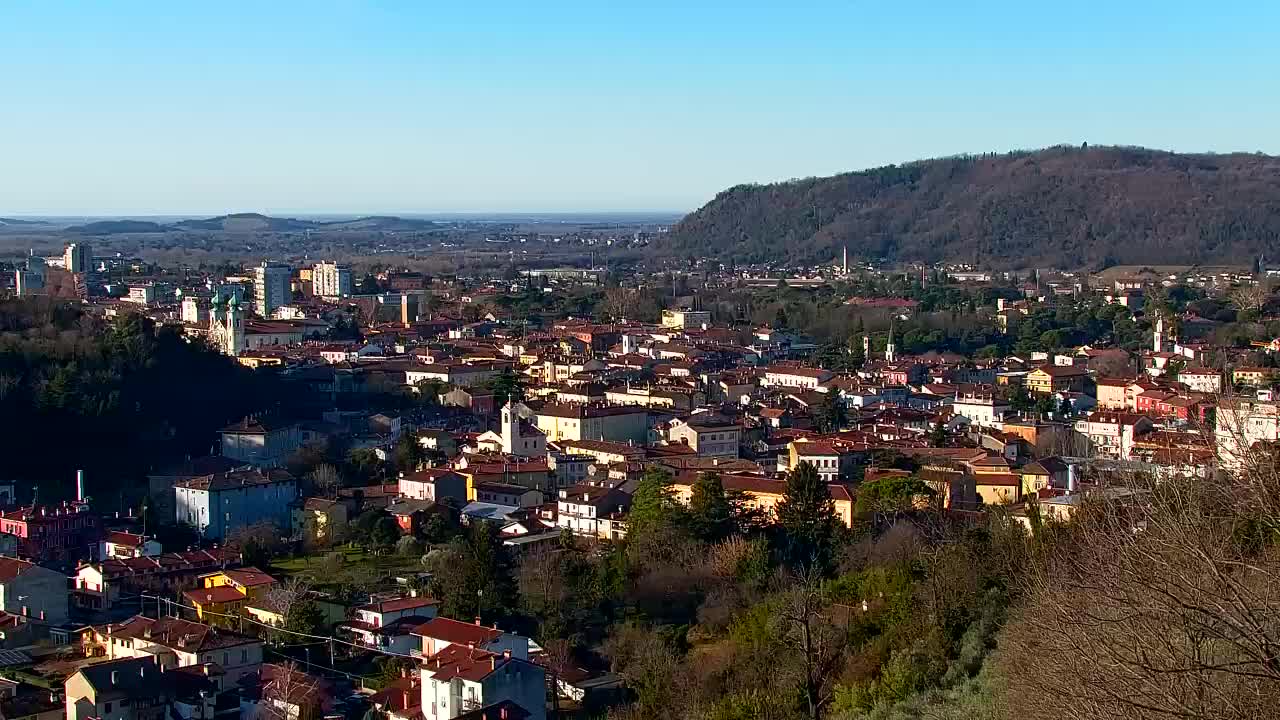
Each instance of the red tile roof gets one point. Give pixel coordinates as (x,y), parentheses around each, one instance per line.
(11,568)
(117,537)
(458,633)
(214,595)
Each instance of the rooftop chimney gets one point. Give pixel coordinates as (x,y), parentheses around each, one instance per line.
(79,486)
(506,654)
(477,620)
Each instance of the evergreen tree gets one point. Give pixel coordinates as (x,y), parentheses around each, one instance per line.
(653,505)
(938,435)
(830,413)
(507,386)
(808,519)
(710,514)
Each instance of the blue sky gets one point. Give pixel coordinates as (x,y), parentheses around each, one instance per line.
(307,107)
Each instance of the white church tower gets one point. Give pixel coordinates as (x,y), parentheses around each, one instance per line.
(526,442)
(890,352)
(510,428)
(1157,337)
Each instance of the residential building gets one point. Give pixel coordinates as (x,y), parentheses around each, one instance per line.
(563,421)
(458,374)
(1240,424)
(796,377)
(101,585)
(119,544)
(1254,376)
(330,279)
(1112,434)
(32,592)
(832,461)
(388,625)
(172,642)
(984,409)
(683,319)
(271,287)
(144,688)
(763,493)
(261,442)
(288,693)
(440,633)
(1201,380)
(59,535)
(224,595)
(320,520)
(591,511)
(1050,379)
(1112,393)
(77,257)
(708,436)
(216,505)
(459,680)
(434,484)
(506,494)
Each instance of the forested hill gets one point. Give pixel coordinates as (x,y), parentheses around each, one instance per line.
(1064,207)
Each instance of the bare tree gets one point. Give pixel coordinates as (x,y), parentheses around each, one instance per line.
(1250,297)
(819,644)
(1159,600)
(325,480)
(290,694)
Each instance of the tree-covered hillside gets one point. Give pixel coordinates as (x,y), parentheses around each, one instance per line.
(112,397)
(1070,207)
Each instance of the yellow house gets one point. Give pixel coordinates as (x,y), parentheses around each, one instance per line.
(1056,378)
(763,493)
(998,488)
(224,595)
(1253,376)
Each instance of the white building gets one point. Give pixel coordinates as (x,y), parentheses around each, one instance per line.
(460,680)
(1112,434)
(388,625)
(331,280)
(793,377)
(592,511)
(119,544)
(1201,380)
(271,287)
(708,437)
(983,409)
(195,311)
(141,294)
(1242,422)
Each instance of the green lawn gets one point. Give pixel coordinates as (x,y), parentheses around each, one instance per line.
(358,566)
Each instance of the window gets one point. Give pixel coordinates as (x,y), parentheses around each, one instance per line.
(107,707)
(244,656)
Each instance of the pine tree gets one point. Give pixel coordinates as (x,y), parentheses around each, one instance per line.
(808,519)
(653,505)
(710,513)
